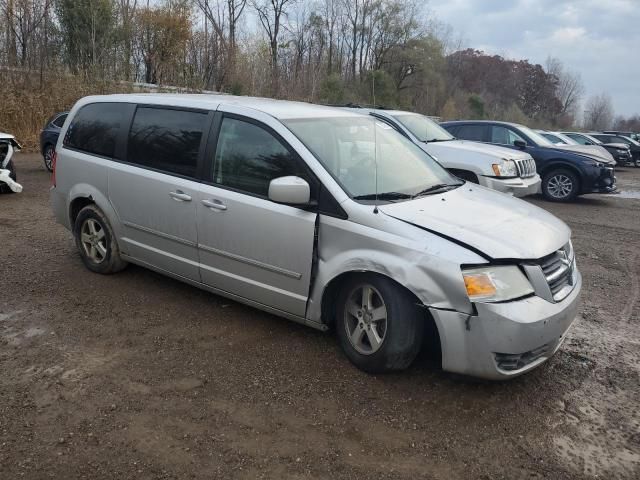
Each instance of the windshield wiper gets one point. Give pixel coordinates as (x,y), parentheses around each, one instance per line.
(384,196)
(438,140)
(437,189)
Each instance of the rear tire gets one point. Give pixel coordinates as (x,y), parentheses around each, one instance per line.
(47,155)
(465,175)
(560,185)
(96,242)
(379,325)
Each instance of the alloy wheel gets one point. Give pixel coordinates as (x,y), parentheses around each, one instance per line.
(48,158)
(560,186)
(93,240)
(365,319)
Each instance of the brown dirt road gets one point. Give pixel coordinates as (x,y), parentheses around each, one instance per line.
(139,376)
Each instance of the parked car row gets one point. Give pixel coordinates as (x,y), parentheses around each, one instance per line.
(566,171)
(624,150)
(334,218)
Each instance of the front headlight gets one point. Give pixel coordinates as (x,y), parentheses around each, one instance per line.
(496,284)
(506,168)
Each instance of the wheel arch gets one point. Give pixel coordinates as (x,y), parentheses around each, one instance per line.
(82,195)
(332,289)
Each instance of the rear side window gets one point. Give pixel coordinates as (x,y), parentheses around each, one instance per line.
(95,127)
(472,132)
(166,139)
(248,157)
(58,122)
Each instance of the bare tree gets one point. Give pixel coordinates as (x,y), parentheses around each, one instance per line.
(598,113)
(570,88)
(271,14)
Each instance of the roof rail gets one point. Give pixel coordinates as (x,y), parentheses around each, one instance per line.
(356,105)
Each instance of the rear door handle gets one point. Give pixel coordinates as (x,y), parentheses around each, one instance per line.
(180,196)
(214,204)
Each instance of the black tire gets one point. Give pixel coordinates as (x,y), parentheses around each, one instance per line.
(404,325)
(47,156)
(4,188)
(560,185)
(465,175)
(111,262)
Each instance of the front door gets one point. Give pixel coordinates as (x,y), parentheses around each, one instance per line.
(155,191)
(250,246)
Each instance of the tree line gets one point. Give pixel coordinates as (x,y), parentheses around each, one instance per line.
(384,52)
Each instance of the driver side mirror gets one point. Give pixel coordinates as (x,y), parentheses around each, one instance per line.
(289,191)
(521,144)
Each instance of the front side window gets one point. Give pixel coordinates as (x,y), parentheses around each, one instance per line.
(95,127)
(166,139)
(369,158)
(504,135)
(248,157)
(423,128)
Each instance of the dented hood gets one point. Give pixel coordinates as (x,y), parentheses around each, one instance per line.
(497,225)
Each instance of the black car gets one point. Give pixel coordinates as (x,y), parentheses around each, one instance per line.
(631,135)
(610,138)
(620,151)
(49,138)
(565,174)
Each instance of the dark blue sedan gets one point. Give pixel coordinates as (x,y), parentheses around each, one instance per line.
(49,138)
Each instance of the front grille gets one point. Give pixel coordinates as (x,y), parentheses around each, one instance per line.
(516,361)
(526,167)
(558,271)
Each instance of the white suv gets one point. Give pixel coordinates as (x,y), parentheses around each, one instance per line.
(498,168)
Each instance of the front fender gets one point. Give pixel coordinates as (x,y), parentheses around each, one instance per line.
(423,264)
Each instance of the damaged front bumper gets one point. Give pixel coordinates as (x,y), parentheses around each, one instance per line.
(518,187)
(504,340)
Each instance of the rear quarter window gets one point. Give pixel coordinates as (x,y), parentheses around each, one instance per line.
(94,129)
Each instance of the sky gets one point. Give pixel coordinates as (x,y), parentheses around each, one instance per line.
(600,39)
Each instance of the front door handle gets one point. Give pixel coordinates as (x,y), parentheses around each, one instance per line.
(180,196)
(214,204)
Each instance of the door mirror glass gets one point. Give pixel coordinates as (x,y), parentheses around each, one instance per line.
(520,143)
(289,190)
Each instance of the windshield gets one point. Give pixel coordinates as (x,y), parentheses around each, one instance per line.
(535,137)
(565,139)
(350,148)
(423,128)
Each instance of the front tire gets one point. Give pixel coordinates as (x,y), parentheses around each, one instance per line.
(96,242)
(560,185)
(379,325)
(48,155)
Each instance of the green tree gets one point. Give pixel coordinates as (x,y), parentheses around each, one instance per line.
(88,31)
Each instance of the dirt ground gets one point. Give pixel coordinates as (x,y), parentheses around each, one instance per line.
(139,376)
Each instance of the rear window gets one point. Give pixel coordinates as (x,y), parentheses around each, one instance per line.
(58,122)
(95,127)
(166,139)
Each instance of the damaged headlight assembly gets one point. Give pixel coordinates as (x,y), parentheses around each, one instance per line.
(498,283)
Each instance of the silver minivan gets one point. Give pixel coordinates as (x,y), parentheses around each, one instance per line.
(323,216)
